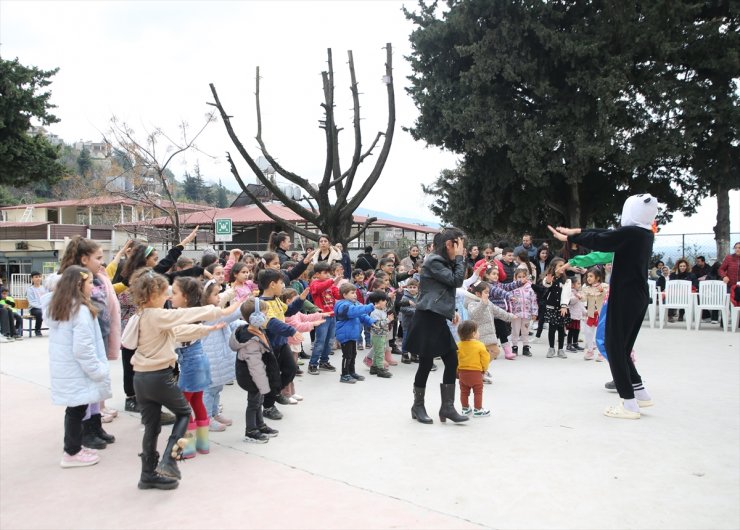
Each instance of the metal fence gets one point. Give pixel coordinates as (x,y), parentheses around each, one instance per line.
(689,246)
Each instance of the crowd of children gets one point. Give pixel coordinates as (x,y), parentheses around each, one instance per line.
(190,329)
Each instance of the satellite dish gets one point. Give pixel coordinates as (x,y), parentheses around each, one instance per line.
(297,193)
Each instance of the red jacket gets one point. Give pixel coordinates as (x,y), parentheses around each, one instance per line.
(730,267)
(324,293)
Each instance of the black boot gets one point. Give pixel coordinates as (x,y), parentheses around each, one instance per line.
(97,421)
(447,410)
(150,479)
(130,405)
(414,358)
(418,412)
(90,438)
(405,358)
(173,452)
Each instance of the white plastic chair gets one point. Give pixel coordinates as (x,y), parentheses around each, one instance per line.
(712,296)
(677,296)
(653,307)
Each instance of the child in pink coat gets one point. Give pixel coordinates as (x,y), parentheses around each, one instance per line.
(303,323)
(577,309)
(524,307)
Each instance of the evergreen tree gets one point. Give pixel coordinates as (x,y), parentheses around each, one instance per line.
(543,101)
(222,199)
(191,188)
(84,163)
(26,158)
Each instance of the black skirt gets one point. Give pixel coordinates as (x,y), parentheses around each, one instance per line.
(428,334)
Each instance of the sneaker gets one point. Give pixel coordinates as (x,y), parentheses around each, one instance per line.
(383,373)
(715,321)
(216,426)
(268,431)
(303,355)
(550,353)
(562,355)
(313,369)
(360,347)
(81,459)
(466,410)
(527,352)
(284,400)
(327,367)
(578,347)
(256,437)
(297,397)
(610,386)
(481,413)
(223,420)
(599,358)
(588,356)
(515,350)
(3,338)
(38,334)
(357,377)
(130,405)
(300,363)
(18,337)
(106,418)
(487,380)
(570,348)
(272,413)
(347,379)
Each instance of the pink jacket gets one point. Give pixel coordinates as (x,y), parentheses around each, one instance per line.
(524,302)
(302,322)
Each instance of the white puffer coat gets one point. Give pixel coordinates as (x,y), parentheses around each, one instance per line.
(77,361)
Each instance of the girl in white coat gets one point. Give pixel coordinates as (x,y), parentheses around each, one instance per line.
(77,359)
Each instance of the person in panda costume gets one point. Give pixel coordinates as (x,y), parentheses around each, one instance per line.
(632,245)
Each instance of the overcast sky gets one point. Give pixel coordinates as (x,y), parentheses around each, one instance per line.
(149,63)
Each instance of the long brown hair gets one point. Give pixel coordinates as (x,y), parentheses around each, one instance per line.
(77,247)
(69,294)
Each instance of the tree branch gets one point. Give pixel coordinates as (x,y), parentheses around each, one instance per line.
(263,208)
(292,177)
(289,202)
(365,226)
(343,193)
(363,157)
(355,202)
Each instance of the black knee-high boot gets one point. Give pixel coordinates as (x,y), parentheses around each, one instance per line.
(447,410)
(173,451)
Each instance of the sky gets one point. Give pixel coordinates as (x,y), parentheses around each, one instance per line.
(149,64)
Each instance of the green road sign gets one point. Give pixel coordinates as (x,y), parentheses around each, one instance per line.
(223,229)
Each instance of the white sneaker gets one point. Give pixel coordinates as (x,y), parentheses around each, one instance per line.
(81,459)
(3,338)
(297,397)
(481,413)
(216,426)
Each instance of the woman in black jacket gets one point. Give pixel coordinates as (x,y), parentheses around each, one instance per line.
(428,335)
(682,271)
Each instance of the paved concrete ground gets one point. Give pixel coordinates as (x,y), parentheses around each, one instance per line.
(349,456)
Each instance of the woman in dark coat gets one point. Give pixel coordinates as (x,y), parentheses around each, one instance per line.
(441,274)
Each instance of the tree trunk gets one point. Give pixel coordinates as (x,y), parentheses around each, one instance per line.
(574,207)
(722,228)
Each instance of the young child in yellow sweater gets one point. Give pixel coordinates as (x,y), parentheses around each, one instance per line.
(472,363)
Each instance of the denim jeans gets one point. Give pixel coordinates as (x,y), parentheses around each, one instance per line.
(211,399)
(322,344)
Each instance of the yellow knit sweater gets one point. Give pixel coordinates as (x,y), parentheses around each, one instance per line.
(472,355)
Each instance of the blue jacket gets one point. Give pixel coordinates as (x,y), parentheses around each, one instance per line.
(350,318)
(216,346)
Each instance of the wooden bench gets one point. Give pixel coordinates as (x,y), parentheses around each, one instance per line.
(22,305)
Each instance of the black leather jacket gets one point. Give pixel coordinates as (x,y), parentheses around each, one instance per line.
(439,278)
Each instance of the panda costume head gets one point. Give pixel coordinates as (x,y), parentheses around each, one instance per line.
(640,210)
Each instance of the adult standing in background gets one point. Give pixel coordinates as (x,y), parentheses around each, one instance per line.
(345,261)
(527,247)
(280,244)
(366,261)
(326,252)
(729,271)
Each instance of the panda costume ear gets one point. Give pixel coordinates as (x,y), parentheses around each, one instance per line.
(640,210)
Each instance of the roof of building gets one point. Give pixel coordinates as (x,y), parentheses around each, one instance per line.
(102,201)
(250,215)
(28,224)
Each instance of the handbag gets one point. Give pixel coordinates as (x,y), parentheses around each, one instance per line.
(130,336)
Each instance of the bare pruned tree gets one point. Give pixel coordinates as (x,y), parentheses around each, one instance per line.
(332,218)
(145,176)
